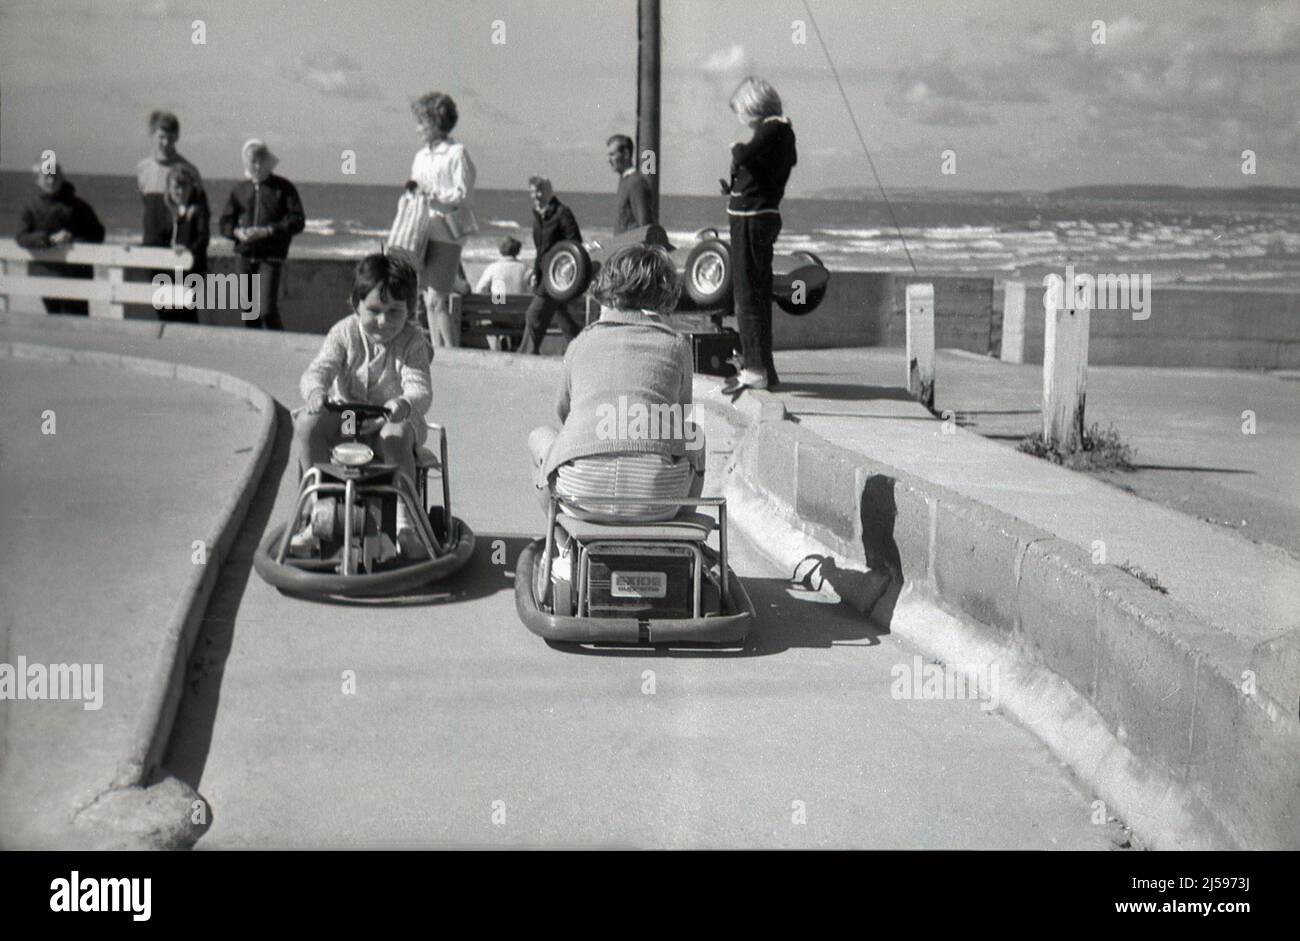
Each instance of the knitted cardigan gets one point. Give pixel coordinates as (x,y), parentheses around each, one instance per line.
(351,367)
(617,371)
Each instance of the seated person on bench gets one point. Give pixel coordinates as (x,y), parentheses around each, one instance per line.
(625,399)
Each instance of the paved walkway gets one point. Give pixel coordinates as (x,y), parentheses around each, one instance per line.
(458,707)
(97,522)
(1185,424)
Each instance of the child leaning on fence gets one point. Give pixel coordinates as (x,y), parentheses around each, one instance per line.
(375,356)
(58,216)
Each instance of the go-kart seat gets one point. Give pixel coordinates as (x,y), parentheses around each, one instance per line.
(687,526)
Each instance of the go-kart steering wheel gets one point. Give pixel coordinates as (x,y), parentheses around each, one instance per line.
(362,410)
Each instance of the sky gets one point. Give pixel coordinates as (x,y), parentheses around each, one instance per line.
(1019,91)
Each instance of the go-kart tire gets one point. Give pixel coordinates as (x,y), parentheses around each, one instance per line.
(566,271)
(707,274)
(292,580)
(815,294)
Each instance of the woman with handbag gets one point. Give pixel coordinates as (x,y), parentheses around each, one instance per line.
(444,174)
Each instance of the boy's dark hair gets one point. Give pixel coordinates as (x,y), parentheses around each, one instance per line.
(510,246)
(165,120)
(638,277)
(392,274)
(622,140)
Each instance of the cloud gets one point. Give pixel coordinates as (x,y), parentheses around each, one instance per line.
(937,92)
(330,73)
(727,62)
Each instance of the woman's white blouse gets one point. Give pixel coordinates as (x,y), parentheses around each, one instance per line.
(446,173)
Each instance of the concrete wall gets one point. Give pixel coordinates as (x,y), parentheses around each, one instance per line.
(1230,328)
(1238,328)
(1167,686)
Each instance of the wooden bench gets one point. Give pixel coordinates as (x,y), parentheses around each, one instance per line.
(107,292)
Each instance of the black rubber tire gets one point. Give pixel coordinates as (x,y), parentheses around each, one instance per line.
(711,251)
(815,295)
(287,578)
(566,256)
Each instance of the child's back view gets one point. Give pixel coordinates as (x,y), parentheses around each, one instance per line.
(506,275)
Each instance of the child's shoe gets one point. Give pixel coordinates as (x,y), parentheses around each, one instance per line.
(303,542)
(409,543)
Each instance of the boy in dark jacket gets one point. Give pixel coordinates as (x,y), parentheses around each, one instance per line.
(57,216)
(262,216)
(553,222)
(760,168)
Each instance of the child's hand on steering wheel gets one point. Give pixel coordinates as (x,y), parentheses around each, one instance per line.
(398,409)
(315,402)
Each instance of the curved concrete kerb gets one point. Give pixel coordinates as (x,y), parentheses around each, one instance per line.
(129,812)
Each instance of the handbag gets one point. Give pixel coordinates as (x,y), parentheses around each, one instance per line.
(412,228)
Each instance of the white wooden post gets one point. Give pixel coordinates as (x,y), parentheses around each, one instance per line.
(114,275)
(920,343)
(1065,368)
(1013,322)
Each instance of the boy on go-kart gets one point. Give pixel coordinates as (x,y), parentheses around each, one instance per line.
(377,356)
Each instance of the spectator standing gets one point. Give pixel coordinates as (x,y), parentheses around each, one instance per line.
(58,216)
(262,216)
(634,205)
(444,172)
(553,222)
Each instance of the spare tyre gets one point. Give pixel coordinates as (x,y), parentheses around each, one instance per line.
(707,275)
(804,272)
(566,271)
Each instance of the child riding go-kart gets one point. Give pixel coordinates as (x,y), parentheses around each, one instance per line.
(348,507)
(361,524)
(626,555)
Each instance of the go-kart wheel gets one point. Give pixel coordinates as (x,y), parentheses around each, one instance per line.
(566,271)
(707,274)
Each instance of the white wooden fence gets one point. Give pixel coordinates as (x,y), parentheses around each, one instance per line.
(107,291)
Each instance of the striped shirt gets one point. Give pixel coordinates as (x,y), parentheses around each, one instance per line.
(653,476)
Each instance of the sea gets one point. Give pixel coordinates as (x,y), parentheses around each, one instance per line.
(1247,238)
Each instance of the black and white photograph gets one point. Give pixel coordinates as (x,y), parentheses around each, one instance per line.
(651,425)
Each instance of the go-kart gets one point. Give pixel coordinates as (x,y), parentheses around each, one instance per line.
(353,519)
(799,279)
(631,582)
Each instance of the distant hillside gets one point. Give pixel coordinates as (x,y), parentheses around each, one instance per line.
(1108,192)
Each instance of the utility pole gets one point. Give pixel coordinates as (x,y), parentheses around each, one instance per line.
(647,96)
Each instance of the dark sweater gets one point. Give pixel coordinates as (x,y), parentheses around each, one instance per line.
(634,205)
(555,224)
(192,232)
(272,202)
(761,167)
(151,176)
(62,209)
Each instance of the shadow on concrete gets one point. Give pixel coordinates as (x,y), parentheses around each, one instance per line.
(797,612)
(191,734)
(786,616)
(796,416)
(843,391)
(1202,470)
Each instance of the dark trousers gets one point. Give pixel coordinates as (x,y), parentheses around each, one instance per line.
(61,305)
(752,242)
(270,271)
(538,318)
